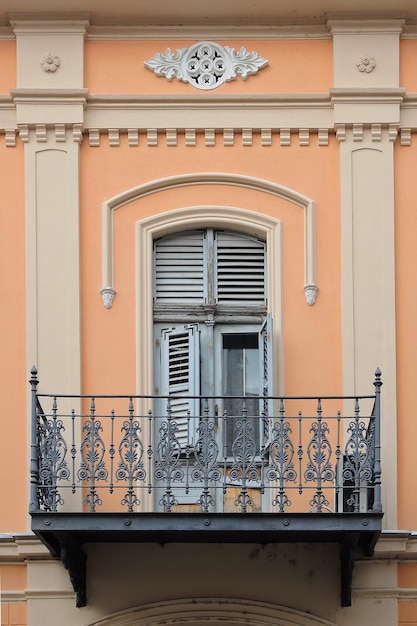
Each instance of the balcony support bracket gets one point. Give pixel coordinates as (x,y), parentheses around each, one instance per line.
(75,560)
(347,562)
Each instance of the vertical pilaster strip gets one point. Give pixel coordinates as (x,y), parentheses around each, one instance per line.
(367,224)
(52,262)
(51,160)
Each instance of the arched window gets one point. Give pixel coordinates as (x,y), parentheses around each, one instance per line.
(211,328)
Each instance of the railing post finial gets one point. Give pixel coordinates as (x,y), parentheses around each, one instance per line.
(34,466)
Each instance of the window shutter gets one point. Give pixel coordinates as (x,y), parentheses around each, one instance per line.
(240,265)
(179,269)
(180,364)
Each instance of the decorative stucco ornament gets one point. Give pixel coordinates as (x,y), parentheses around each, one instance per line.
(206,65)
(107,294)
(366,64)
(50,62)
(311,293)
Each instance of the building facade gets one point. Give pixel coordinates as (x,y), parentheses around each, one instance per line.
(198,207)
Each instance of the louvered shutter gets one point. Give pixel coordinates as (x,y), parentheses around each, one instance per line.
(240,269)
(179,269)
(266,358)
(180,365)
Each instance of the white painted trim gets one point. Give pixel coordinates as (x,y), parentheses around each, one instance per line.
(173,33)
(212,610)
(209,178)
(196,217)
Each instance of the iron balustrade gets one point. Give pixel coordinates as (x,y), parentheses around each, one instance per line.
(313,455)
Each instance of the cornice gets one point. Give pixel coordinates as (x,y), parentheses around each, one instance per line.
(47,96)
(49,23)
(377,95)
(201,33)
(150,119)
(20,547)
(368,23)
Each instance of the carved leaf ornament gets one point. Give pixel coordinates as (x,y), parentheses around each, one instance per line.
(206,65)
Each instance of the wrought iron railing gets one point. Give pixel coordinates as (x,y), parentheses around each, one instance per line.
(110,453)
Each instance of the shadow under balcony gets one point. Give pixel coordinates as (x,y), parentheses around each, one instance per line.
(121,469)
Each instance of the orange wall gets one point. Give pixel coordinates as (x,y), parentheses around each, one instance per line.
(8,66)
(117,67)
(406,311)
(408,77)
(13,375)
(312,341)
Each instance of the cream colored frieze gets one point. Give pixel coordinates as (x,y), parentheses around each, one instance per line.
(10,136)
(152,137)
(171,137)
(367,105)
(366,64)
(210,137)
(323,137)
(362,133)
(206,65)
(50,62)
(133,136)
(114,137)
(365,40)
(406,136)
(47,106)
(38,41)
(266,137)
(304,137)
(285,137)
(247,137)
(228,137)
(94,137)
(236,111)
(190,137)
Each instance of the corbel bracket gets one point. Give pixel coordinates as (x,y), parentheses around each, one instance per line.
(75,560)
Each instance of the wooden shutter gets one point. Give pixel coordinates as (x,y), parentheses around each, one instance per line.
(179,269)
(180,373)
(240,269)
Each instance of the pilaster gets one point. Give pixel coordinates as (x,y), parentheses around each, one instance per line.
(50,101)
(366,100)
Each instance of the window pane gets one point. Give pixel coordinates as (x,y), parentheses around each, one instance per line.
(240,378)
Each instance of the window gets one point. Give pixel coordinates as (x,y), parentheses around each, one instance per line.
(212,333)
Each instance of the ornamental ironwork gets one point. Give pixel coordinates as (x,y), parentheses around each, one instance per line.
(305,456)
(206,65)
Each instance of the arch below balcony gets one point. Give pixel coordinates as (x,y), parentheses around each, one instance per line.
(211,612)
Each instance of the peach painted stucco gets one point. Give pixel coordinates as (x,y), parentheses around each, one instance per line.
(12,363)
(406,311)
(114,67)
(8,66)
(108,336)
(408,75)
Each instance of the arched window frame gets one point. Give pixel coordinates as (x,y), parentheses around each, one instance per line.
(230,218)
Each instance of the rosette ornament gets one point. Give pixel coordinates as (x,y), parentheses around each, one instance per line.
(206,65)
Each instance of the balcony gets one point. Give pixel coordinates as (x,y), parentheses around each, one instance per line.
(266,470)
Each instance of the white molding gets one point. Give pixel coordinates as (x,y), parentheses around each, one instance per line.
(210,178)
(195,33)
